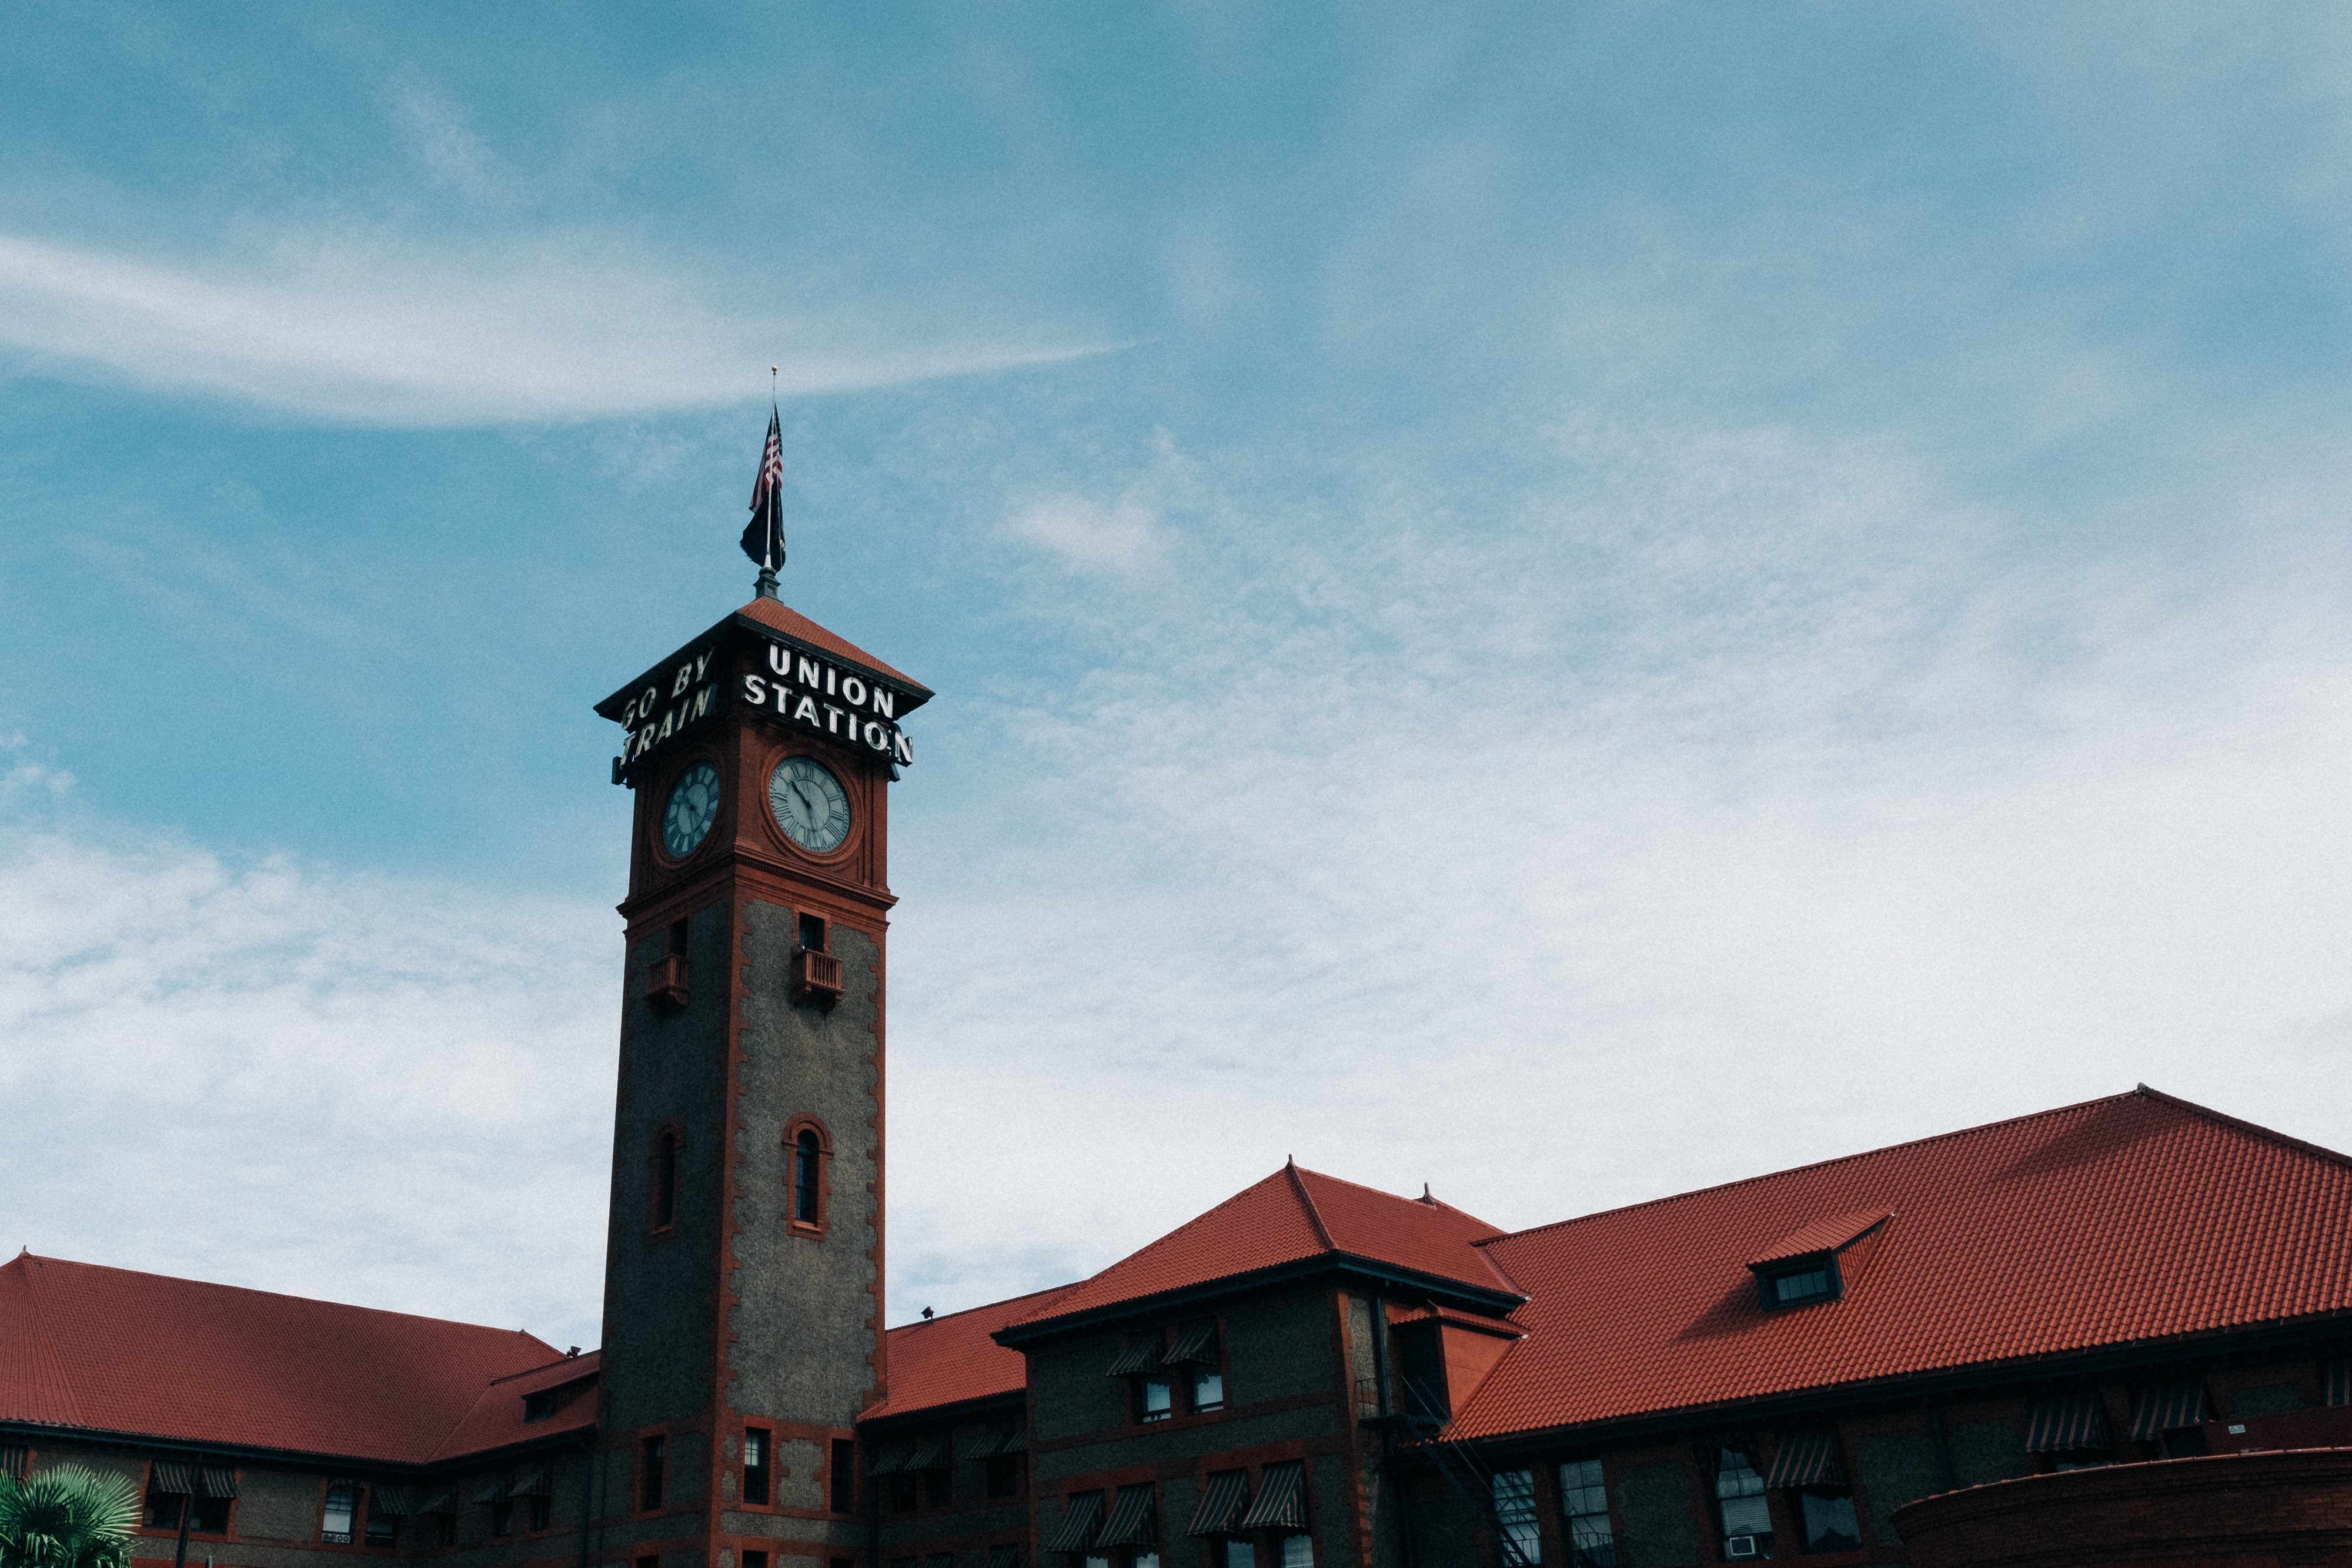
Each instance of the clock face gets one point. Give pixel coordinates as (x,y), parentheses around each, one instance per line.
(693,807)
(811,805)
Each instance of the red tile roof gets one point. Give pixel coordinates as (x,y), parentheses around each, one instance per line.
(495,1421)
(1291,1216)
(2135,1217)
(950,1359)
(778,616)
(115,1351)
(1821,1236)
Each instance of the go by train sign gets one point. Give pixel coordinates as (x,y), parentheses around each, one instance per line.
(856,706)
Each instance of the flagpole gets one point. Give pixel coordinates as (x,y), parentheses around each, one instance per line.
(766,586)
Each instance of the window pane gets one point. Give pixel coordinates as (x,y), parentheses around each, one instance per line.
(1297,1551)
(1208,1390)
(1515,1510)
(337,1523)
(1156,1401)
(1802,1287)
(1585,1501)
(1828,1521)
(1240,1554)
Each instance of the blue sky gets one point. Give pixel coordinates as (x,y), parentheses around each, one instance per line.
(1567,605)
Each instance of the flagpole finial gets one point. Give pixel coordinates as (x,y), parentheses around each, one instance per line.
(766,586)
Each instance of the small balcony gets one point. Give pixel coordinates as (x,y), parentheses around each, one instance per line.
(816,977)
(665,983)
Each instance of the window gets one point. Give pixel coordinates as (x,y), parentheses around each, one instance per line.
(843,1479)
(939,1486)
(650,1562)
(755,1559)
(335,1523)
(812,933)
(1584,1503)
(383,1529)
(503,1518)
(755,1466)
(1297,1551)
(1239,1553)
(1803,1285)
(649,1474)
(1825,1516)
(1003,1474)
(1515,1511)
(666,1180)
(1154,1400)
(807,1176)
(1208,1390)
(1745,1517)
(444,1529)
(903,1493)
(539,1512)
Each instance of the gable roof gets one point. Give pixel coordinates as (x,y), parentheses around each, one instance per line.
(953,1360)
(777,616)
(2139,1216)
(116,1351)
(1294,1216)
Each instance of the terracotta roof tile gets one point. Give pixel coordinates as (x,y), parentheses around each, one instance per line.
(778,616)
(1820,1235)
(2135,1217)
(1292,1215)
(495,1419)
(112,1349)
(950,1360)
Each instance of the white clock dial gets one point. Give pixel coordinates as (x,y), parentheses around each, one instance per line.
(810,805)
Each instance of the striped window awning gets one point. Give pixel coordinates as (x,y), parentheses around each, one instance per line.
(13,1458)
(2068,1423)
(891,1460)
(2166,1406)
(1141,1354)
(1281,1500)
(532,1481)
(1004,1557)
(988,1446)
(488,1488)
(216,1480)
(440,1500)
(1131,1518)
(1807,1457)
(2336,1381)
(1074,1530)
(928,1453)
(1017,1440)
(172,1476)
(1196,1346)
(391,1502)
(1222,1504)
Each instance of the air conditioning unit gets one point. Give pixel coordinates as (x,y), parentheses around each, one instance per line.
(1740,1546)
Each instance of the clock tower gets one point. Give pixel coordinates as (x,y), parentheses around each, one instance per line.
(743,1276)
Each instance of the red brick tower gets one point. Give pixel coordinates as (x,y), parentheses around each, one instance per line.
(744,1267)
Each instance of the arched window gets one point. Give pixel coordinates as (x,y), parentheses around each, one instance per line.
(664,1180)
(806,1178)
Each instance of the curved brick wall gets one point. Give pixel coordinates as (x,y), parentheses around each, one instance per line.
(2280,1510)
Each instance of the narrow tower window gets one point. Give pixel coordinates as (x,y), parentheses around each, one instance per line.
(755,1466)
(805,1158)
(812,933)
(649,1474)
(666,1180)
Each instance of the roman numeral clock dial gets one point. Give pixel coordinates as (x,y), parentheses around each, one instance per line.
(810,804)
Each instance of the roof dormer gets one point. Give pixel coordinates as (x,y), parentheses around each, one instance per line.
(1803,1268)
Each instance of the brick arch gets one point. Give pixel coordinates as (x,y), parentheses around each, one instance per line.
(806,1214)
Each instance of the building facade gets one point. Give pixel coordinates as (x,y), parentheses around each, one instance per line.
(1311,1372)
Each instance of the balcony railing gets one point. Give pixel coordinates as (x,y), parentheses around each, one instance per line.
(816,977)
(666,982)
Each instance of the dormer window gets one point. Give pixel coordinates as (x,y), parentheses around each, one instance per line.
(1801,1285)
(1803,1267)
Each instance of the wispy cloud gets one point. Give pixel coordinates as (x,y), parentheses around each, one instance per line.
(374,329)
(1086,536)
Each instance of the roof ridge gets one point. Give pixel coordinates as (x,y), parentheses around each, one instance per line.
(1425,1202)
(289,1296)
(1307,1198)
(1834,1160)
(2239,1124)
(967,1312)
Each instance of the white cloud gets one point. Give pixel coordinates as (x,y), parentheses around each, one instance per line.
(282,1077)
(378,329)
(1119,540)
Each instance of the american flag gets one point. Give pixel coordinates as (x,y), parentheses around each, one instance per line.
(763,539)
